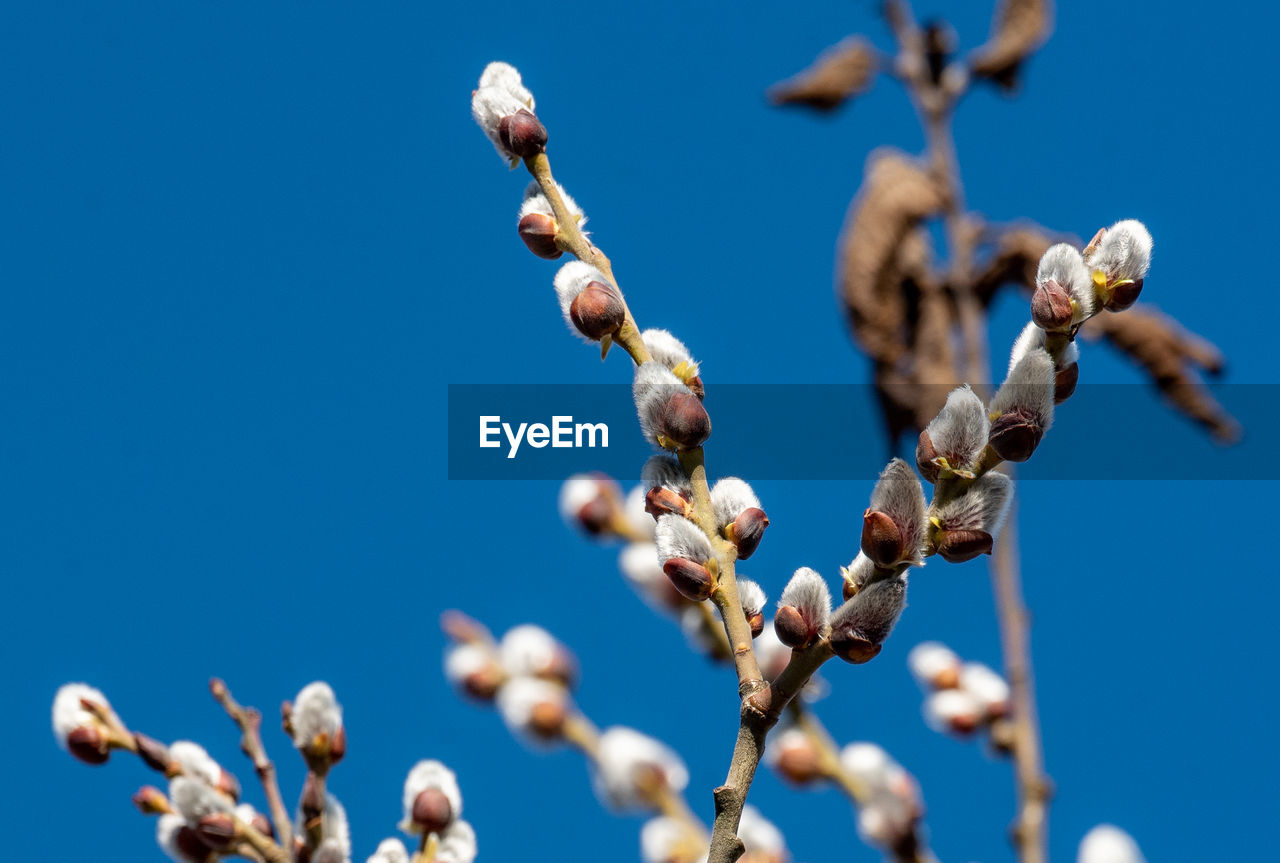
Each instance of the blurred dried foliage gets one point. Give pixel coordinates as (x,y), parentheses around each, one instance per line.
(908,310)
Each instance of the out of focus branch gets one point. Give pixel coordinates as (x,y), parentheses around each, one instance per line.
(249,722)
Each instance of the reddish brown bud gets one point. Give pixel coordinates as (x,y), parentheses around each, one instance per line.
(597,311)
(747,530)
(1124,295)
(218,830)
(546,719)
(882,540)
(562,668)
(791,627)
(1064,382)
(799,764)
(432,810)
(925,454)
(484,684)
(190,845)
(312,800)
(756,621)
(957,546)
(947,678)
(150,800)
(660,500)
(1051,306)
(852,647)
(153,753)
(848,589)
(685,421)
(696,387)
(538,230)
(337,746)
(691,579)
(89,745)
(263,825)
(596,516)
(1015,435)
(522,134)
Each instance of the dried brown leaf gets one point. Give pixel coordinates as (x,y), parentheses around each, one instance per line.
(840,73)
(1017,30)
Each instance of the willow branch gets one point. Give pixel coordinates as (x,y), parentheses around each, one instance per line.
(250,724)
(760,713)
(1030,828)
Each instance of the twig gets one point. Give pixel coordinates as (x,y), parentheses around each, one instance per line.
(250,724)
(1030,828)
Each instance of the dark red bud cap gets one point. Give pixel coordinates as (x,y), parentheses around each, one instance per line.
(850,646)
(150,800)
(747,530)
(925,454)
(1051,306)
(338,746)
(597,311)
(756,621)
(882,540)
(218,830)
(432,810)
(485,683)
(89,745)
(153,753)
(1015,435)
(263,825)
(696,387)
(799,764)
(685,421)
(957,546)
(1064,382)
(660,500)
(1123,296)
(790,626)
(538,230)
(546,720)
(522,134)
(596,516)
(190,845)
(691,579)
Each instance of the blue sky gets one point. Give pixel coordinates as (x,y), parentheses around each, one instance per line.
(246,247)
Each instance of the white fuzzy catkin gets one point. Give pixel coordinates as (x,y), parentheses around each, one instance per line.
(331,850)
(959,431)
(664,471)
(946,706)
(676,536)
(1032,338)
(759,835)
(1107,843)
(193,799)
(640,566)
(752,596)
(68,714)
(501,94)
(167,829)
(623,757)
(463,660)
(898,494)
(668,350)
(390,851)
(426,774)
(1029,387)
(771,654)
(457,844)
(783,741)
(866,762)
(874,610)
(1065,265)
(638,518)
(1124,253)
(858,571)
(195,762)
(571,280)
(536,202)
(729,497)
(652,386)
(984,684)
(660,838)
(315,711)
(576,492)
(527,650)
(334,826)
(517,698)
(807,592)
(928,659)
(982,506)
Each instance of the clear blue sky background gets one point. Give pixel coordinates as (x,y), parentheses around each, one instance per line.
(245,247)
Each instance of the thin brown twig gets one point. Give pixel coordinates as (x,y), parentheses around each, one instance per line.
(1030,829)
(249,721)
